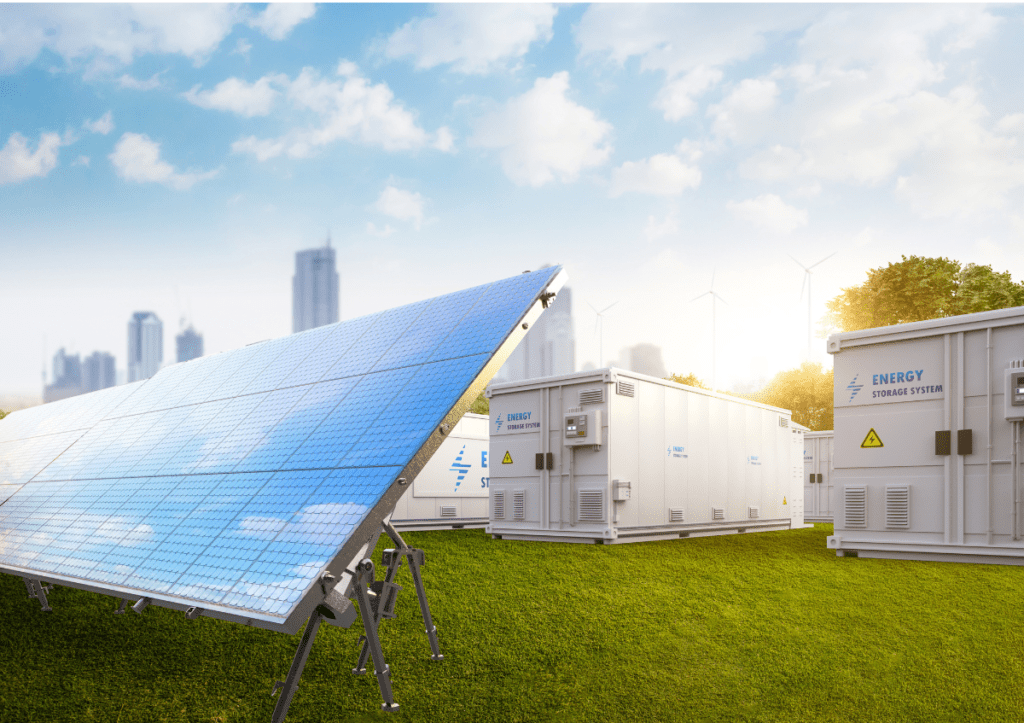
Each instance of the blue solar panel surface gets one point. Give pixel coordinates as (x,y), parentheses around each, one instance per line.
(233,479)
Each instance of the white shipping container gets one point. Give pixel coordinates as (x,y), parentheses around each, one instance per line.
(614,456)
(819,490)
(927,418)
(451,491)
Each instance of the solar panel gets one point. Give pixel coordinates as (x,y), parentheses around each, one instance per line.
(233,483)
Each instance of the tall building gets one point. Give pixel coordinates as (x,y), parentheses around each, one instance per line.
(643,359)
(190,344)
(98,371)
(67,377)
(314,289)
(549,347)
(145,345)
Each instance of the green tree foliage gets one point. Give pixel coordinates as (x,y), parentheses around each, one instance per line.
(806,391)
(2,414)
(481,405)
(919,288)
(689,380)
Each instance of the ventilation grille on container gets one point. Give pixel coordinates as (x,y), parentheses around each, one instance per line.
(753,513)
(897,508)
(499,505)
(447,510)
(591,505)
(519,505)
(856,504)
(626,389)
(717,513)
(591,396)
(675,514)
(783,422)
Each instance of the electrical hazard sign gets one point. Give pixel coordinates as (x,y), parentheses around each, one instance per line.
(872,440)
(507,459)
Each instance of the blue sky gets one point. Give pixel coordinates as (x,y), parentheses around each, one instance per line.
(174,158)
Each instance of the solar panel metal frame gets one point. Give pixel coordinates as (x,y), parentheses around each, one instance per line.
(338,572)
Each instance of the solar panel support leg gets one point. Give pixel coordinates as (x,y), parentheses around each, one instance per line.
(371,619)
(36,589)
(382,606)
(291,683)
(416,560)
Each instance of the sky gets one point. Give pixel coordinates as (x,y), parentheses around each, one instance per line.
(173,158)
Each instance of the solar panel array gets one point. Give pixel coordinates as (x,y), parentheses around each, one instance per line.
(230,481)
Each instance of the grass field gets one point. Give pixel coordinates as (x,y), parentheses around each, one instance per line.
(758,627)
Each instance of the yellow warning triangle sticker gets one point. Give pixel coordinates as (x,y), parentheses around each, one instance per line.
(507,459)
(872,440)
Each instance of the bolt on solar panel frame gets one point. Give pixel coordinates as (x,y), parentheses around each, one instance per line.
(348,569)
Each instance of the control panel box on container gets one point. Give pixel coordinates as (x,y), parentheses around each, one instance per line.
(615,456)
(819,489)
(928,420)
(451,492)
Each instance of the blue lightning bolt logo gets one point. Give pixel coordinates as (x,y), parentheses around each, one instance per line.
(854,386)
(497,424)
(460,468)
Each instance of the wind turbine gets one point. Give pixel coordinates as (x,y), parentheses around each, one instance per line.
(714,321)
(807,283)
(599,323)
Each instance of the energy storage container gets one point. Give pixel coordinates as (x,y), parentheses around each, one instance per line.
(451,491)
(818,488)
(927,428)
(613,456)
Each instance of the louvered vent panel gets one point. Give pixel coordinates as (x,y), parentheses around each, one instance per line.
(897,508)
(753,513)
(447,510)
(499,505)
(591,505)
(783,422)
(675,514)
(856,503)
(718,513)
(591,396)
(626,389)
(519,505)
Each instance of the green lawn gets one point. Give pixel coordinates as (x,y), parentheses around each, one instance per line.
(757,627)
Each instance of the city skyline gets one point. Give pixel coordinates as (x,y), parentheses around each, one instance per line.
(178,160)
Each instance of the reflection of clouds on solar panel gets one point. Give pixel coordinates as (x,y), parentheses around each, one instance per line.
(319,524)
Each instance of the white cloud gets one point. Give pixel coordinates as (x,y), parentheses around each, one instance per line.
(655,230)
(349,108)
(102,125)
(543,135)
(108,35)
(127,81)
(772,164)
(371,228)
(474,39)
(742,113)
(277,21)
(769,212)
(81,161)
(403,205)
(237,96)
(1011,124)
(443,140)
(659,175)
(137,158)
(676,97)
(242,47)
(18,163)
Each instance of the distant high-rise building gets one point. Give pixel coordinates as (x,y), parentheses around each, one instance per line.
(549,347)
(190,344)
(314,289)
(67,377)
(145,345)
(643,359)
(98,371)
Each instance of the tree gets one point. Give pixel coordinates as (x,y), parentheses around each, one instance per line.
(481,405)
(2,414)
(806,391)
(919,288)
(689,380)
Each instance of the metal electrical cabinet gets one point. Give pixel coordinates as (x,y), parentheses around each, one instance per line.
(819,489)
(451,491)
(927,448)
(614,456)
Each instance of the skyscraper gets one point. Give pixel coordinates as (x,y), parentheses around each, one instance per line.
(98,371)
(145,345)
(67,377)
(314,289)
(190,344)
(549,347)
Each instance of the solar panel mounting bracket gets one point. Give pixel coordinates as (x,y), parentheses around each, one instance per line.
(37,590)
